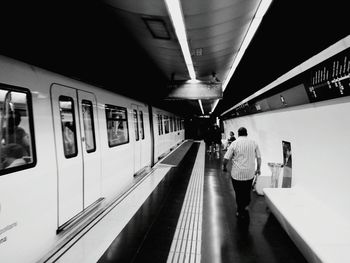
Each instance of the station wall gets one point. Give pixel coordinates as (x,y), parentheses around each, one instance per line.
(319,134)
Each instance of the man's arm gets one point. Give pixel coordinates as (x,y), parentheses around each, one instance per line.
(258,160)
(228,156)
(258,164)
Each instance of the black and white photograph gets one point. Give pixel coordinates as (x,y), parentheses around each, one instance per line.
(173,131)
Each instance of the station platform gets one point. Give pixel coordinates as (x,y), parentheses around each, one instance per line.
(184,211)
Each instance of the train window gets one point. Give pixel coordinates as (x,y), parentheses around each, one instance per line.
(89,129)
(182,124)
(142,129)
(117,125)
(166,124)
(136,126)
(175,126)
(69,134)
(158,116)
(17,147)
(171,124)
(160,124)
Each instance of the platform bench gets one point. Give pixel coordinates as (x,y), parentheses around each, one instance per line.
(319,233)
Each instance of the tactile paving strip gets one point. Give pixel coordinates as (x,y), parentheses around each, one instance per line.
(186,244)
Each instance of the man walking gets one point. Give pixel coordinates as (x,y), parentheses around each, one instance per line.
(243,153)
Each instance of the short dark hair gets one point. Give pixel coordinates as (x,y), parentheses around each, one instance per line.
(242,131)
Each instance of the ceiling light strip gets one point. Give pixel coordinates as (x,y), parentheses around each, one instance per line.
(200,104)
(215,103)
(263,6)
(176,15)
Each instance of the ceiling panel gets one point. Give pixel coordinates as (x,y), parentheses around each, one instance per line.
(166,54)
(195,7)
(107,43)
(215,16)
(149,7)
(218,29)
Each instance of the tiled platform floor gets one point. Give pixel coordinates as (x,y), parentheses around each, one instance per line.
(224,239)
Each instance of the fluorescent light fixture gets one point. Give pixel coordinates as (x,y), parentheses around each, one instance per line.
(263,6)
(193,81)
(175,12)
(200,104)
(215,104)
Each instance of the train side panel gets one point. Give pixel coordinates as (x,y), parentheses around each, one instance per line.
(28,198)
(168,132)
(110,131)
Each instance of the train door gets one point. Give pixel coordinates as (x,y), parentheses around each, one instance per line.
(91,153)
(71,112)
(138,120)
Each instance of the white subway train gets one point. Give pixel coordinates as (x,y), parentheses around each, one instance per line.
(66,145)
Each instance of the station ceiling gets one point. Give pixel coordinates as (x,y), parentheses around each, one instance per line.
(110,43)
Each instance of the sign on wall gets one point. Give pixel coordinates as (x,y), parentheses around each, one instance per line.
(287,165)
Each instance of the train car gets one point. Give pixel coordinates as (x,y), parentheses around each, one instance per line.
(168,132)
(67,146)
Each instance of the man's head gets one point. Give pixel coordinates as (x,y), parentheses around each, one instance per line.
(242,131)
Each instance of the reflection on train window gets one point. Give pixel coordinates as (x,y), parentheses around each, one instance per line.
(117,125)
(17,139)
(160,126)
(69,135)
(171,124)
(142,129)
(166,124)
(89,129)
(136,126)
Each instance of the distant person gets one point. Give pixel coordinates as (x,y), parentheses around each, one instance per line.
(207,135)
(216,134)
(215,138)
(243,153)
(214,78)
(231,139)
